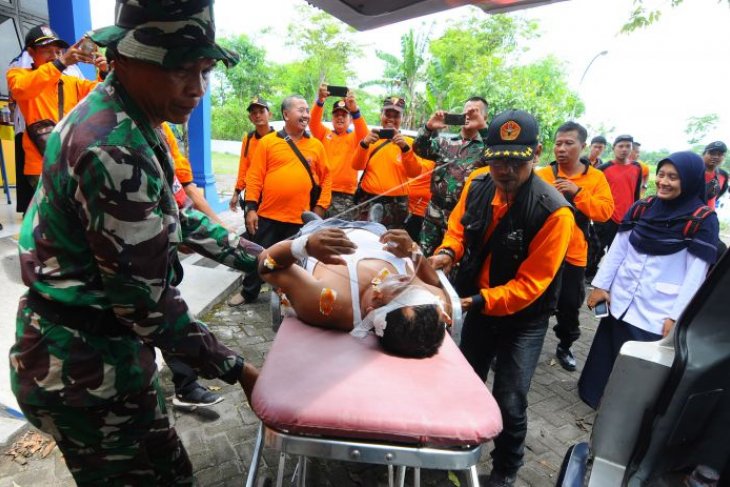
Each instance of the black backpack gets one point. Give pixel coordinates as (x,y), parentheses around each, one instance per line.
(692,225)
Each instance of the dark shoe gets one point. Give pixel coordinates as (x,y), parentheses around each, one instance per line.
(197,397)
(566,358)
(497,479)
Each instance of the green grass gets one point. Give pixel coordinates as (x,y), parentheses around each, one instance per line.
(225,163)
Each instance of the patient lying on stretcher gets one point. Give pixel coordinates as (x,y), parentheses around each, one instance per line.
(356,276)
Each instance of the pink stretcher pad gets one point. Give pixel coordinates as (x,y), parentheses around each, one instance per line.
(327,383)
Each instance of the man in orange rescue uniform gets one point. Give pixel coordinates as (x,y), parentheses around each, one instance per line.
(43,93)
(340,144)
(279,185)
(510,232)
(586,188)
(259,114)
(387,160)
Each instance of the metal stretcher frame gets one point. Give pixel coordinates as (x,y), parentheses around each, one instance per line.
(390,454)
(393,455)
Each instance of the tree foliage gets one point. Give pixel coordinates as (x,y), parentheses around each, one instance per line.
(477,56)
(643,15)
(698,127)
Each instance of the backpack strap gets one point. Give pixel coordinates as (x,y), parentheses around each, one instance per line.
(248,142)
(695,221)
(640,208)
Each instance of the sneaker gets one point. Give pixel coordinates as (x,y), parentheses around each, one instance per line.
(565,357)
(197,397)
(497,479)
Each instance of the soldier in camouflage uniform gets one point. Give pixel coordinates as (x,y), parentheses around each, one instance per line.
(98,250)
(455,159)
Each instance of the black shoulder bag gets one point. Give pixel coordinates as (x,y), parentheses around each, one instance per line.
(38,132)
(316,190)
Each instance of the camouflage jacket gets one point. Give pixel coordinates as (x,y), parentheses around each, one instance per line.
(455,159)
(102,232)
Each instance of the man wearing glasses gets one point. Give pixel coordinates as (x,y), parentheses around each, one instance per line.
(510,232)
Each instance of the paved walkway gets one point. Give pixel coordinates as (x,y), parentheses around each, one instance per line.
(219,440)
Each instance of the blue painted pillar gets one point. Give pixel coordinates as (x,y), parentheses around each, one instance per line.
(199,153)
(71,19)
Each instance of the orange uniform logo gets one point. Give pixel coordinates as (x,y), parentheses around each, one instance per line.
(510,130)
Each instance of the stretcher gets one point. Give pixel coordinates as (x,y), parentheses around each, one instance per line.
(326,394)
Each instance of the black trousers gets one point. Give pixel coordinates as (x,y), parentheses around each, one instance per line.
(183,376)
(269,233)
(570,299)
(606,233)
(413,226)
(23,189)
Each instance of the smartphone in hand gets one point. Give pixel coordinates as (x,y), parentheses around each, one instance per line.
(600,310)
(335,90)
(455,119)
(386,133)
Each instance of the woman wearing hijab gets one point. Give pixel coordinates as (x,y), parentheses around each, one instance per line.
(652,269)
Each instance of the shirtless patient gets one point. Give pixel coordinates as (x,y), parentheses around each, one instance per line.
(356,276)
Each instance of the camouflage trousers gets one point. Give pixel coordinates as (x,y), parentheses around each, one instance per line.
(395,209)
(341,206)
(434,227)
(129,442)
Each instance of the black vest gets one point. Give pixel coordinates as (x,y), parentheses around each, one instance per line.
(508,245)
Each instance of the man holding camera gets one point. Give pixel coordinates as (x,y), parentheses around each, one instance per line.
(289,174)
(44,94)
(387,161)
(339,144)
(510,232)
(455,160)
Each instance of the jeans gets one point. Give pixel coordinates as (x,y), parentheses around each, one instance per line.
(516,347)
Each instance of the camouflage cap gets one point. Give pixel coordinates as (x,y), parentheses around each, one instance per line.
(394,103)
(258,101)
(340,105)
(164,32)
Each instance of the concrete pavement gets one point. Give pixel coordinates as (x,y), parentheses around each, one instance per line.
(220,439)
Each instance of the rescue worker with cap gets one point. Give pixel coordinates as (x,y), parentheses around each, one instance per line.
(98,250)
(44,94)
(339,144)
(586,188)
(716,178)
(387,163)
(259,114)
(510,232)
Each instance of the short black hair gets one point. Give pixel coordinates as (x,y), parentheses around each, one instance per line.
(599,139)
(573,126)
(417,336)
(484,101)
